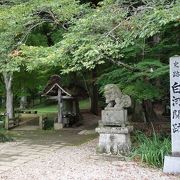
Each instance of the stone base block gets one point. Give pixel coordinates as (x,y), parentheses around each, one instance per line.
(114,140)
(58,126)
(114,117)
(171,165)
(114,130)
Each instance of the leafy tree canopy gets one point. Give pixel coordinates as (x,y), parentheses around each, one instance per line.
(19,18)
(106,32)
(139,36)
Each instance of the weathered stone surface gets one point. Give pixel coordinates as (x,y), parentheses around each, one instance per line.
(114,130)
(115,98)
(114,117)
(114,143)
(114,136)
(114,140)
(58,126)
(171,165)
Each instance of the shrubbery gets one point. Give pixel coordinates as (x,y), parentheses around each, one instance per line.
(48,124)
(151,149)
(5,138)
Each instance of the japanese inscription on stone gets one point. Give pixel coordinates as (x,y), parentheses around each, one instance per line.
(175,102)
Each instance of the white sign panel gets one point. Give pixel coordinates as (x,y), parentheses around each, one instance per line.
(175,103)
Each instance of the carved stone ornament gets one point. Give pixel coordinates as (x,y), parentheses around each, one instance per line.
(115,98)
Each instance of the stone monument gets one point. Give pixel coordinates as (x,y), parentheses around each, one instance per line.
(114,132)
(172,162)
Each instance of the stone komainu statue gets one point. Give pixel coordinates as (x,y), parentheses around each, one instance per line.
(115,98)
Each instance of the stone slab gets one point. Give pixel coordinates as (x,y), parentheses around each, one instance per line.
(58,126)
(26,128)
(175,103)
(171,165)
(86,132)
(114,143)
(114,117)
(114,130)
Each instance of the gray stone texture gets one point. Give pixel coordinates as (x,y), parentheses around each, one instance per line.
(114,140)
(114,117)
(114,134)
(115,99)
(171,165)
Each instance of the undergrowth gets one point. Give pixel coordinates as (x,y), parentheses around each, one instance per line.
(5,138)
(151,149)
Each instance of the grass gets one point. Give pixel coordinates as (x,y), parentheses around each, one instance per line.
(151,150)
(4,137)
(2,110)
(42,108)
(83,104)
(45,108)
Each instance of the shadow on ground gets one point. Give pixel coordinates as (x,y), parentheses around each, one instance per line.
(67,136)
(48,137)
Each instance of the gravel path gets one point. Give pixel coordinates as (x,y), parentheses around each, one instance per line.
(81,163)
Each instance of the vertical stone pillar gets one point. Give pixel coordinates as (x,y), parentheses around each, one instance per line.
(172,163)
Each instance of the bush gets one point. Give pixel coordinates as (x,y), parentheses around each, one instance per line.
(5,138)
(48,124)
(151,150)
(2,119)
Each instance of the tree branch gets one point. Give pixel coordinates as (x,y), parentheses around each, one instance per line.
(120,63)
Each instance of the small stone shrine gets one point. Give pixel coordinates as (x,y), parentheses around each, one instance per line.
(68,105)
(113,129)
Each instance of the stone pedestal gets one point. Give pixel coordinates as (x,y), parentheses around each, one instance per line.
(114,140)
(114,117)
(58,126)
(171,165)
(114,132)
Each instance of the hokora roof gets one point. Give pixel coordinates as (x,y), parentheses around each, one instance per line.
(53,85)
(53,90)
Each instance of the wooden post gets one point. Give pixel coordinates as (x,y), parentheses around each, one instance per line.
(41,121)
(59,124)
(6,123)
(59,106)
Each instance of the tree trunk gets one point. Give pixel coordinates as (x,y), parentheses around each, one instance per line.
(94,94)
(9,94)
(149,111)
(138,114)
(23,102)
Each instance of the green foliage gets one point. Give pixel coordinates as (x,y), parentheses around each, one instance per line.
(5,138)
(18,20)
(84,38)
(140,84)
(142,91)
(44,108)
(151,150)
(107,31)
(37,39)
(111,31)
(48,124)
